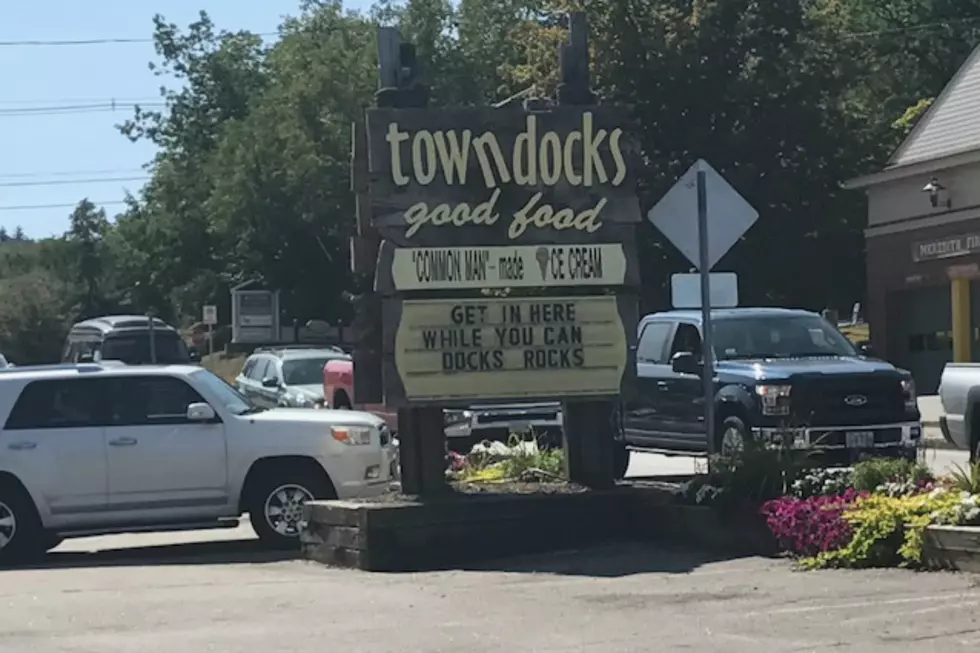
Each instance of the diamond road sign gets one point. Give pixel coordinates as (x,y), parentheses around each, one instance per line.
(729,215)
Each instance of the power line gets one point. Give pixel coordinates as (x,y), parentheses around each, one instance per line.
(84,42)
(32,207)
(70,182)
(68,173)
(76,108)
(101,100)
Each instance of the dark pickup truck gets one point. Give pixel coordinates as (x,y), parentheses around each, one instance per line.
(779,374)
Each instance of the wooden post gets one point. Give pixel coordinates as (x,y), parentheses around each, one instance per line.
(421,434)
(588,424)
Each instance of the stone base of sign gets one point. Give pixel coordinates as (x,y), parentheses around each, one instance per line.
(402,534)
(952,547)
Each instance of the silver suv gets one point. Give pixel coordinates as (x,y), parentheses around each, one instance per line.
(288,376)
(96,448)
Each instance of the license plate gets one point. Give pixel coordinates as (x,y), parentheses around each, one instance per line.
(860,439)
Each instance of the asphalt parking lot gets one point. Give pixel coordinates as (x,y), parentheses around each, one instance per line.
(217,591)
(195,597)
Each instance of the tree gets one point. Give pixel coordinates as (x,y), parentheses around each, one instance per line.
(33,317)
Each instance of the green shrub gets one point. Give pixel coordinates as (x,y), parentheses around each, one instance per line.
(965,479)
(758,472)
(869,475)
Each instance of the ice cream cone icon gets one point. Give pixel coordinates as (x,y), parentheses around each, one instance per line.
(542,257)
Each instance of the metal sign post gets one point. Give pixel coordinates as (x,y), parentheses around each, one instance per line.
(729,219)
(708,365)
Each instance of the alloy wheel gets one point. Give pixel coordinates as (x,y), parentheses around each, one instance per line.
(283,509)
(8,525)
(732,441)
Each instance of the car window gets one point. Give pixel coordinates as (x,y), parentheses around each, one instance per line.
(63,403)
(687,338)
(273,370)
(258,372)
(304,371)
(151,400)
(223,392)
(793,336)
(135,349)
(247,368)
(653,341)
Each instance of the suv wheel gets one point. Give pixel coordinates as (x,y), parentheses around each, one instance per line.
(732,435)
(276,506)
(21,537)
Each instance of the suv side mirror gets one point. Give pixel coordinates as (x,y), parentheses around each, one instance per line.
(684,362)
(270,382)
(193,354)
(200,412)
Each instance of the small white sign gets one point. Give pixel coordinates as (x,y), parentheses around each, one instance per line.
(521,266)
(686,290)
(729,215)
(211,315)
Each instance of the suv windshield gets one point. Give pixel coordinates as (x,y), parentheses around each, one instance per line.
(134,349)
(778,337)
(226,394)
(304,371)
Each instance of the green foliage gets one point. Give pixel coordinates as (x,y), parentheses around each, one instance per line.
(525,460)
(251,176)
(758,472)
(889,530)
(965,479)
(33,317)
(869,475)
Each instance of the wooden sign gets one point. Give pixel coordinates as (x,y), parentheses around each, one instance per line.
(403,269)
(441,177)
(454,351)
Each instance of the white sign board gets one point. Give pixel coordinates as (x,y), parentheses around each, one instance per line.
(685,290)
(729,215)
(211,315)
(521,266)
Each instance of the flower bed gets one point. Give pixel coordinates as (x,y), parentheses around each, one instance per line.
(872,515)
(519,460)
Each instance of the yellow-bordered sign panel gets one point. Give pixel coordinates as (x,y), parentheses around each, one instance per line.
(471,349)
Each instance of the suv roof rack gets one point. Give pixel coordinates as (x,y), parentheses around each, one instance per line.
(294,347)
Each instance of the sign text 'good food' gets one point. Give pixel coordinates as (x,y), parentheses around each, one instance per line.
(467,173)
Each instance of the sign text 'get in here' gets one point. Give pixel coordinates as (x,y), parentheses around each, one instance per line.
(528,347)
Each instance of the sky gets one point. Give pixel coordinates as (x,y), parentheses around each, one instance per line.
(58,140)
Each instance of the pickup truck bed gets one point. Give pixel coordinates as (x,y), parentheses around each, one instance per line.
(959,393)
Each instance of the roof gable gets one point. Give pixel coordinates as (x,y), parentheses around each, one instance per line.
(952,123)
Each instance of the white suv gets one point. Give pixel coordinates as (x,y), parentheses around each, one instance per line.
(101,448)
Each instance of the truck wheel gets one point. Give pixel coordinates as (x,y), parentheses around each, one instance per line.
(21,535)
(732,435)
(621,460)
(275,507)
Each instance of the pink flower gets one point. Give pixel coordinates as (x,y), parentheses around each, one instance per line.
(810,526)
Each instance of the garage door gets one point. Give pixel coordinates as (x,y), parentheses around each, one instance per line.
(920,333)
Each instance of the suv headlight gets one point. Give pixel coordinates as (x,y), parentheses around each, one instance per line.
(352,435)
(908,391)
(775,399)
